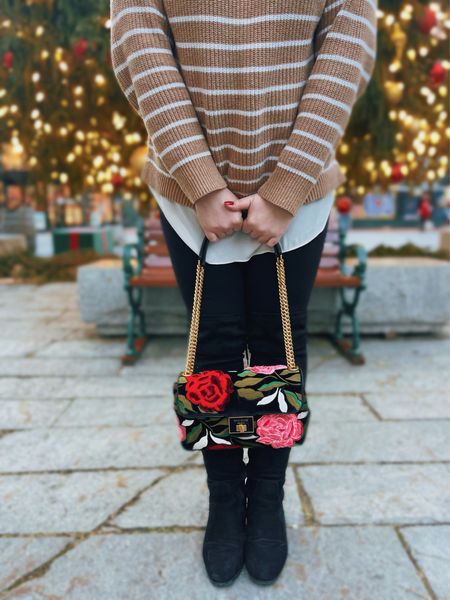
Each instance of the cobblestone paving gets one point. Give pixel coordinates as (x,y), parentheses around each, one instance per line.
(99,502)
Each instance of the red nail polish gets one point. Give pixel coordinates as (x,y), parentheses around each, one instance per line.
(229,202)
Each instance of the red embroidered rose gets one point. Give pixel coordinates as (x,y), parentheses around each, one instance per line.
(210,389)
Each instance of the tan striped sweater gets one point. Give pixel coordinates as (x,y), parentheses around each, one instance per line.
(259,97)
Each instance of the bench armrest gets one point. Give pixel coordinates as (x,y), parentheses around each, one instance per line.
(133,255)
(359,270)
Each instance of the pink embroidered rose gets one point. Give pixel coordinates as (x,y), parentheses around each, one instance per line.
(265,369)
(182,432)
(181,429)
(279,431)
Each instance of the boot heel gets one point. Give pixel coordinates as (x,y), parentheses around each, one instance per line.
(266,545)
(224,539)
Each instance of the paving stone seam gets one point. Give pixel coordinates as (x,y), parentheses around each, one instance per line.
(52,425)
(109,529)
(375,413)
(305,500)
(43,568)
(188,464)
(417,567)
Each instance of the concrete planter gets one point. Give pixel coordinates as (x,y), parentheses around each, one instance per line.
(404,295)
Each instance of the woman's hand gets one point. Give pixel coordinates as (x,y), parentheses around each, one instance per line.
(265,221)
(214,218)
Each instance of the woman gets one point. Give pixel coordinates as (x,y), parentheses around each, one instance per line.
(244,106)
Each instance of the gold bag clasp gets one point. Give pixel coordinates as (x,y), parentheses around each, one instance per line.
(241,424)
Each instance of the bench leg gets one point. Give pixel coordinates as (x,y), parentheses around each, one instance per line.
(136,332)
(351,351)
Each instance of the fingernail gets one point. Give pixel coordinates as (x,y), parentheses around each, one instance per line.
(229,202)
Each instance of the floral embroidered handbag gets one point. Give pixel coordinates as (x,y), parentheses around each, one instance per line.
(256,406)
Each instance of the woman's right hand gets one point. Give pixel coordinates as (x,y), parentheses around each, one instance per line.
(216,221)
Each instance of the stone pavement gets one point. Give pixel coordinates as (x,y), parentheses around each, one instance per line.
(98,500)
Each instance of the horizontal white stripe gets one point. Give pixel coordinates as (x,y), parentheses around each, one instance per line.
(246,181)
(238,47)
(182,142)
(165,108)
(247,150)
(244,21)
(352,40)
(338,80)
(173,126)
(137,31)
(314,138)
(157,167)
(129,91)
(249,69)
(229,179)
(140,53)
(161,88)
(135,10)
(246,167)
(249,132)
(332,6)
(297,172)
(348,61)
(321,119)
(329,100)
(359,19)
(247,92)
(148,72)
(188,159)
(246,113)
(310,157)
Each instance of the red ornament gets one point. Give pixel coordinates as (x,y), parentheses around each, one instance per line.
(344,204)
(396,174)
(211,389)
(116,179)
(427,20)
(425,208)
(437,73)
(8,60)
(80,48)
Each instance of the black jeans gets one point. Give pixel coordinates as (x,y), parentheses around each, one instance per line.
(240,312)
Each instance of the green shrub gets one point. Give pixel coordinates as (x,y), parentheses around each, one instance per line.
(62,267)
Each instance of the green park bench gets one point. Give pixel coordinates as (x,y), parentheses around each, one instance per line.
(147,264)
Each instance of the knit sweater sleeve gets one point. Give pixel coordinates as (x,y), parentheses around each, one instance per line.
(147,73)
(345,45)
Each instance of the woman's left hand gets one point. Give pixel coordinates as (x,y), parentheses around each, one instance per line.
(265,222)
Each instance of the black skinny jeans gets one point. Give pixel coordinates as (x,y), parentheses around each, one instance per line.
(241,310)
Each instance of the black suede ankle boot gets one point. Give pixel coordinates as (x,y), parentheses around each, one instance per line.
(266,545)
(223,543)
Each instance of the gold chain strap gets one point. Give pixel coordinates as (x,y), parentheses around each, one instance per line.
(195,321)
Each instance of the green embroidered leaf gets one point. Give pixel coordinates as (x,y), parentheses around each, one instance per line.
(271,385)
(220,422)
(183,401)
(293,399)
(247,373)
(248,381)
(249,394)
(194,433)
(224,433)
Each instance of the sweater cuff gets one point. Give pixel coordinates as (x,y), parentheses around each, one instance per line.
(199,177)
(285,189)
